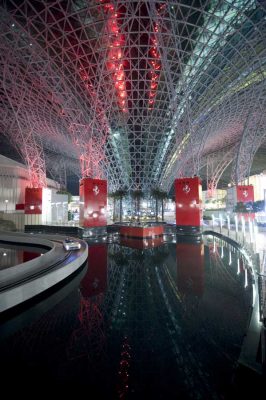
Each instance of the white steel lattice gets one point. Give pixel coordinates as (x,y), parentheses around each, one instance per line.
(138,92)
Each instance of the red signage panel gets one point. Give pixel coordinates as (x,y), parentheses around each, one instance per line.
(93,201)
(244,193)
(190,268)
(95,281)
(33,201)
(188,198)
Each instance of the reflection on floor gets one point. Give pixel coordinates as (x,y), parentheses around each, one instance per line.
(161,322)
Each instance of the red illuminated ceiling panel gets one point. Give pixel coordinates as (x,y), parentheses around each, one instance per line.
(155,63)
(115,55)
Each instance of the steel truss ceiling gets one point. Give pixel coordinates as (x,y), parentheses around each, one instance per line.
(138,92)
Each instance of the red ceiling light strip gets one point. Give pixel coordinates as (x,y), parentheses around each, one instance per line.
(115,55)
(155,63)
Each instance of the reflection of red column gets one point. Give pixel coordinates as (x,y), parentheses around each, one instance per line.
(28,255)
(33,201)
(93,201)
(190,268)
(188,198)
(95,281)
(141,244)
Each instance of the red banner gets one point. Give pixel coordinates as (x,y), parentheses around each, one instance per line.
(93,201)
(33,201)
(190,268)
(188,198)
(244,193)
(95,281)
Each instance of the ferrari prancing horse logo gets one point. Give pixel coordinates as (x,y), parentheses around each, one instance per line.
(186,189)
(96,190)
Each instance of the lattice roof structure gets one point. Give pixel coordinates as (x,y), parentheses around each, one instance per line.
(138,92)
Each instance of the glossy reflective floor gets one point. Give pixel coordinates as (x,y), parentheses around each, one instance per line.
(142,320)
(13,255)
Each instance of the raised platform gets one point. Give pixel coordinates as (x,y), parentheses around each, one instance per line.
(141,232)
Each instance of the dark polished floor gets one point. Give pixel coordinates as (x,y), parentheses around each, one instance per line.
(143,320)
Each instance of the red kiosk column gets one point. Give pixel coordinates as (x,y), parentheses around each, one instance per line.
(245,194)
(33,206)
(93,201)
(188,198)
(33,201)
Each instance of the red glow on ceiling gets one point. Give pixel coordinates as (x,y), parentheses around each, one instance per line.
(89,145)
(35,162)
(211,189)
(115,55)
(90,163)
(37,180)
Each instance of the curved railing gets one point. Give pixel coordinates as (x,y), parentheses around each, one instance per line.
(251,344)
